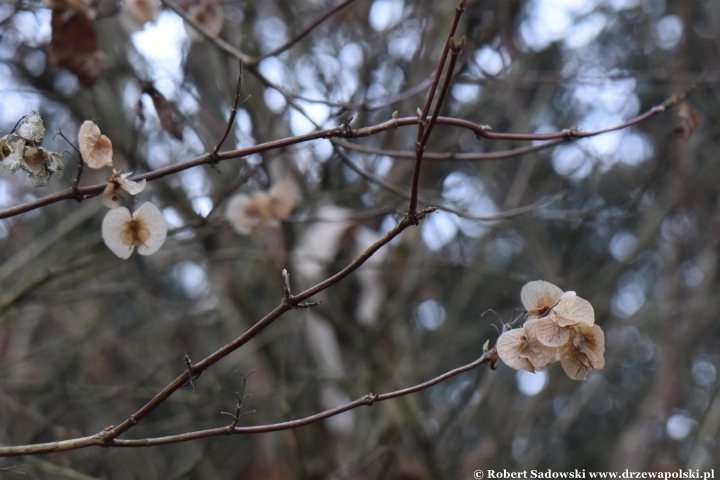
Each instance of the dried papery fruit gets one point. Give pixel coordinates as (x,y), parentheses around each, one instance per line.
(74,46)
(96,149)
(283,200)
(687,121)
(246,213)
(14,161)
(522,351)
(4,147)
(538,297)
(136,13)
(584,351)
(119,180)
(170,119)
(208,14)
(32,130)
(547,331)
(145,230)
(572,310)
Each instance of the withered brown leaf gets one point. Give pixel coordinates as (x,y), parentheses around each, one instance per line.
(74,46)
(166,112)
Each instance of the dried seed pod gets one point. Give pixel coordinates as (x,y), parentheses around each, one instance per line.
(32,130)
(96,149)
(521,351)
(547,331)
(584,351)
(538,297)
(246,213)
(572,310)
(282,196)
(119,180)
(145,230)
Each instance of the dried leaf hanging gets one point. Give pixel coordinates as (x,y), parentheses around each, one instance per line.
(96,149)
(74,46)
(145,230)
(246,213)
(167,113)
(119,180)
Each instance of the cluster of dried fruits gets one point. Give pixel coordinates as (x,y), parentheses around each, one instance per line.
(263,209)
(560,326)
(123,232)
(21,150)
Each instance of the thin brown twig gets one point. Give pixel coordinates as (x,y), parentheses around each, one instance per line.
(207,33)
(422,115)
(487,218)
(438,156)
(314,24)
(231,119)
(369,399)
(342,132)
(108,437)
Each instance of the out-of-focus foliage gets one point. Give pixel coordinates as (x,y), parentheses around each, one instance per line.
(87,338)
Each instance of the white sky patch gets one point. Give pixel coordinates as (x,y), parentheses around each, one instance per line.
(570,161)
(382,165)
(385,14)
(162,46)
(622,245)
(404,46)
(463,92)
(490,61)
(274,70)
(322,149)
(191,276)
(669,31)
(549,21)
(271,31)
(173,217)
(634,149)
(430,315)
(194,182)
(351,56)
(704,373)
(628,300)
(679,426)
(299,123)
(274,100)
(437,230)
(585,31)
(202,205)
(530,384)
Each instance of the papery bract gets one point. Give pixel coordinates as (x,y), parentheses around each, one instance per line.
(523,352)
(145,230)
(96,149)
(572,310)
(584,351)
(283,200)
(538,297)
(32,130)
